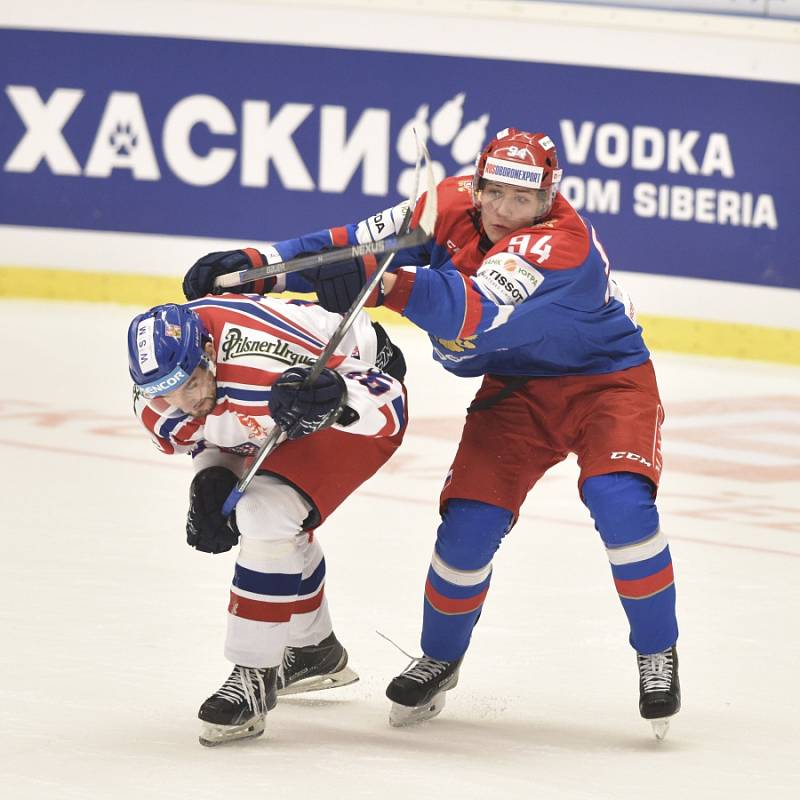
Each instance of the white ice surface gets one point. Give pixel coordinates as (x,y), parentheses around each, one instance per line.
(112,628)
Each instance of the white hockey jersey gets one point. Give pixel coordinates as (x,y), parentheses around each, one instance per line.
(256,339)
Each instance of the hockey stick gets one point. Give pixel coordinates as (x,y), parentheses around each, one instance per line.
(428,219)
(391,244)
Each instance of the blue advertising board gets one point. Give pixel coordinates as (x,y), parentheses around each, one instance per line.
(682,175)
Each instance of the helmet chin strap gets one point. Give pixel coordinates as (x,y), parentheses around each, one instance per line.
(207,359)
(208,364)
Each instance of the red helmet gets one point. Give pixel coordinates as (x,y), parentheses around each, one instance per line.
(526,160)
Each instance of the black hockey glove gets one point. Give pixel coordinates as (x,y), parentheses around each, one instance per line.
(338,285)
(301,410)
(199,280)
(206,528)
(389,357)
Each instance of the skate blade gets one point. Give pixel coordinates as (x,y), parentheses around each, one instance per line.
(660,728)
(402,716)
(317,683)
(213,735)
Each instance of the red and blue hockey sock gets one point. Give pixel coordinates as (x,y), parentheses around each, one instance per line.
(459,575)
(625,515)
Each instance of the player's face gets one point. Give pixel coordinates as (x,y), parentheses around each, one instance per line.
(506,208)
(198,396)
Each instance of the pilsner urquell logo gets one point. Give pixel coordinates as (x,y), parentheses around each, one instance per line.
(237,345)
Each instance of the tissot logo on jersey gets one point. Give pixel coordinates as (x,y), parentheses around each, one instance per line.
(508,287)
(507,278)
(235,344)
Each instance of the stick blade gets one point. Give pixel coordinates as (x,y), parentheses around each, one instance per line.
(428,219)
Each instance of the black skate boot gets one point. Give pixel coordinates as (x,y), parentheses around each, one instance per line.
(418,693)
(315,667)
(238,708)
(659,688)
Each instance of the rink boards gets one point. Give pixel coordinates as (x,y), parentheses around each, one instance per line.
(129,150)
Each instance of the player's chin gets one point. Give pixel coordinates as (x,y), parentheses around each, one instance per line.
(497,232)
(203,408)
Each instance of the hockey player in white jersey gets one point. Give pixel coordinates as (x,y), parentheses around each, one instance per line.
(212,378)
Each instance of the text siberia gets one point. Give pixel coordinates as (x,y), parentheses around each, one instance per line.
(647,149)
(678,203)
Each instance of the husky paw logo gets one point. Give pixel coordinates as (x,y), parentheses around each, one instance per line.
(123,139)
(443,130)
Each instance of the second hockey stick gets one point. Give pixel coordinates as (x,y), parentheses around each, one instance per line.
(428,219)
(421,234)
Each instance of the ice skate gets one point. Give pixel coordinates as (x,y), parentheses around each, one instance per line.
(315,667)
(237,710)
(659,689)
(418,693)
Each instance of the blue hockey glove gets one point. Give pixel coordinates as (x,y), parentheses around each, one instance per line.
(199,280)
(301,410)
(206,529)
(338,285)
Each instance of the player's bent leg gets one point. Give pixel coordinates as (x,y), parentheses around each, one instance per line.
(264,596)
(457,584)
(459,575)
(268,574)
(314,659)
(624,511)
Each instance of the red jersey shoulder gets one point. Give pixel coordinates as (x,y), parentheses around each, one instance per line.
(560,242)
(457,227)
(455,206)
(454,196)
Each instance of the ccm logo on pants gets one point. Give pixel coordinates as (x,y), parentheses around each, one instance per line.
(631,456)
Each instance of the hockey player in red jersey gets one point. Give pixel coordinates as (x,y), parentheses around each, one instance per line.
(212,378)
(516,287)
